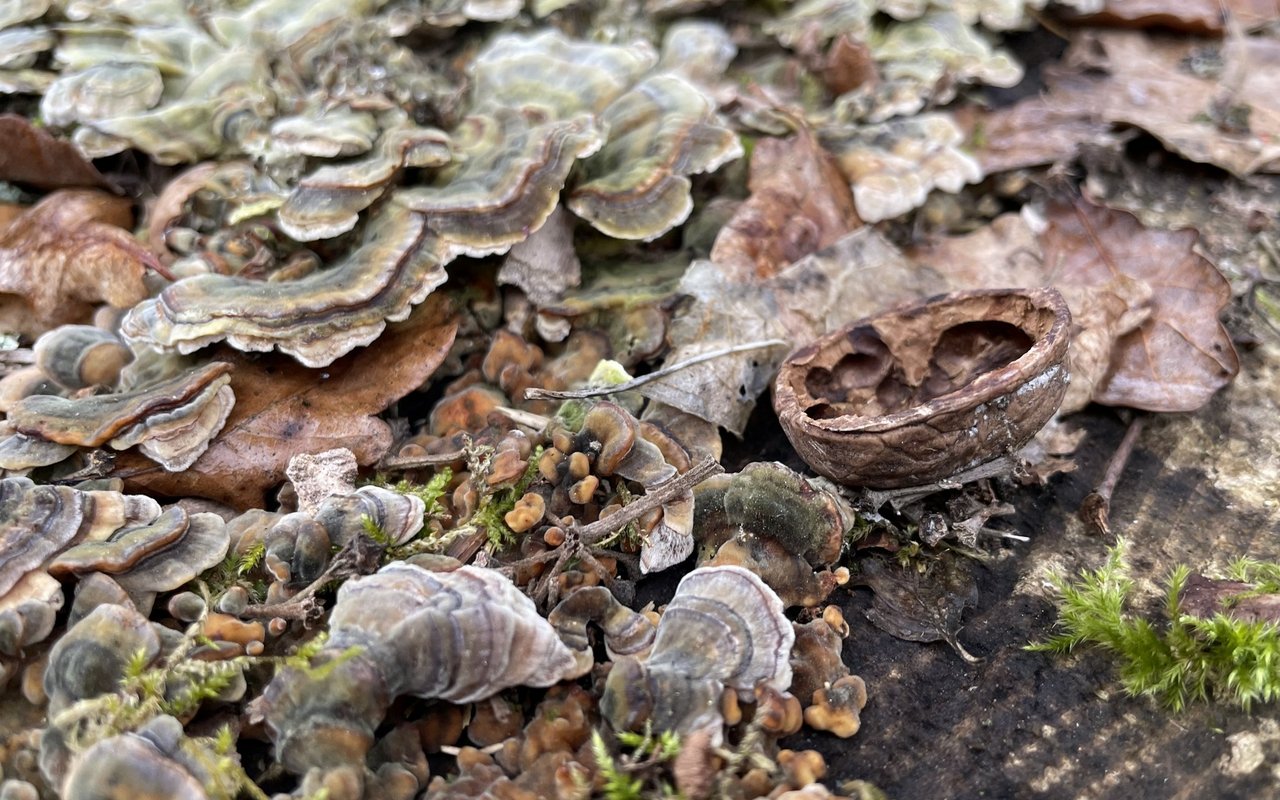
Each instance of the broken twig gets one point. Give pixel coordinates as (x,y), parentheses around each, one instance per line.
(1096,508)
(636,383)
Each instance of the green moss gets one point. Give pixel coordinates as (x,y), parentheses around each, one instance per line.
(375,531)
(1186,658)
(493,508)
(617,784)
(234,567)
(431,493)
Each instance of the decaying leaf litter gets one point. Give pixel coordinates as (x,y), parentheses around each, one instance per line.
(296,453)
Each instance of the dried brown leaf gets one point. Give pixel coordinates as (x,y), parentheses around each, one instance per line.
(1205,597)
(1144,305)
(849,64)
(65,255)
(799,203)
(33,156)
(1037,130)
(284,409)
(1193,16)
(168,206)
(1178,357)
(921,607)
(9,212)
(1216,103)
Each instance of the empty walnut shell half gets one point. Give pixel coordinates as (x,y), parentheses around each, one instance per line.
(918,394)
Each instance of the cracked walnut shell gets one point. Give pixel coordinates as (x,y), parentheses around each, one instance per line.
(917,394)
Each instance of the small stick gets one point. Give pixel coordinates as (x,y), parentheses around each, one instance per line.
(349,561)
(464,548)
(658,496)
(579,540)
(910,494)
(425,460)
(1096,508)
(636,383)
(526,418)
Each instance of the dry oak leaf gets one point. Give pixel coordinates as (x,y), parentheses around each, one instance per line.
(1034,131)
(65,255)
(1193,16)
(1181,354)
(35,157)
(1008,253)
(1144,305)
(921,607)
(1215,103)
(799,203)
(284,409)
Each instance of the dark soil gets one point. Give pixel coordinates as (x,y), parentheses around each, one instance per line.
(1031,725)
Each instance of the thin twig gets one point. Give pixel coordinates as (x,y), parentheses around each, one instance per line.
(1096,508)
(658,496)
(581,540)
(636,383)
(901,498)
(528,419)
(349,562)
(424,460)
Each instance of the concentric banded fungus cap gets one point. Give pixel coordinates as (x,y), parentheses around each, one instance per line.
(915,395)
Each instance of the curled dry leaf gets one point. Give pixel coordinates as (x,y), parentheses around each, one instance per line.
(65,255)
(799,203)
(921,607)
(1212,103)
(1179,356)
(33,156)
(1144,304)
(284,409)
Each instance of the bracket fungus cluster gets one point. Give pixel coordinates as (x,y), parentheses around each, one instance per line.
(919,394)
(458,636)
(37,522)
(168,409)
(157,760)
(772,521)
(429,243)
(539,104)
(297,547)
(724,628)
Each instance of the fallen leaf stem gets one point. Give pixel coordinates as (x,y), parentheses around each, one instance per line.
(351,560)
(658,496)
(1095,510)
(635,383)
(424,460)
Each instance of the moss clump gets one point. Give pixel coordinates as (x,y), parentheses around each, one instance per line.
(1188,658)
(492,511)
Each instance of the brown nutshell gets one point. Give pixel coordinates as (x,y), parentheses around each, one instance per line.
(917,394)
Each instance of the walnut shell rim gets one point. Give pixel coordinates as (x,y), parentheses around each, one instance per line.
(926,435)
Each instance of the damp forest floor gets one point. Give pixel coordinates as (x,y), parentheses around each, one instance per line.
(1200,490)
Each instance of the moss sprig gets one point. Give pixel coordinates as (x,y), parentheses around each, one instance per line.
(491,512)
(1187,658)
(640,772)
